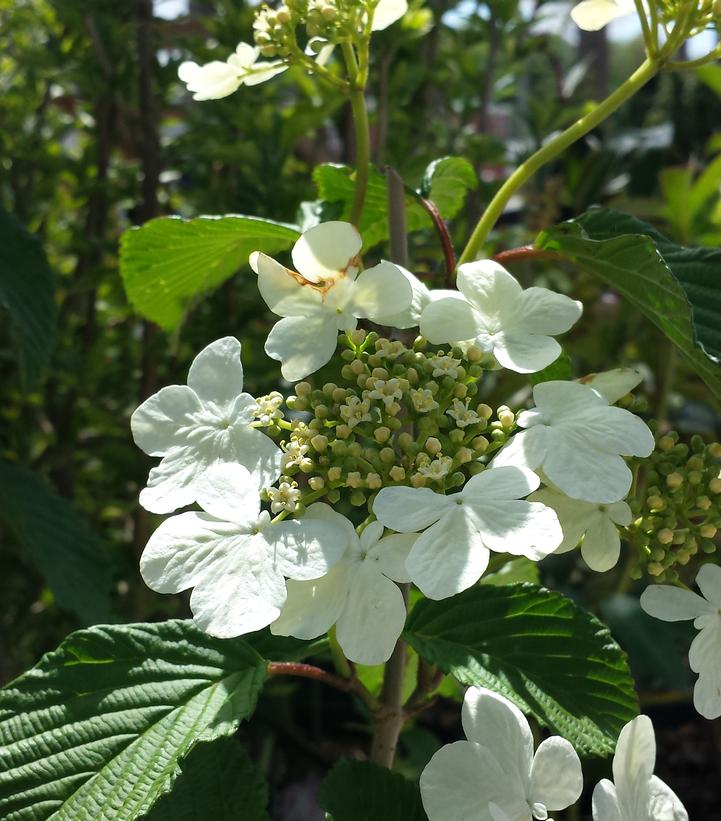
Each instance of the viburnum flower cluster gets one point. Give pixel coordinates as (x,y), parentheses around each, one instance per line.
(389,468)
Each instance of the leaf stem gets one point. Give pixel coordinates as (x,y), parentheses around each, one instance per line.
(362,131)
(301,670)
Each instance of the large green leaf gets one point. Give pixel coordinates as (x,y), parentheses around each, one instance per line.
(361,791)
(27,292)
(217,782)
(538,649)
(677,288)
(169,261)
(97,729)
(446,183)
(50,532)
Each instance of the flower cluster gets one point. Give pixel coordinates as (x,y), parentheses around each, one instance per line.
(495,775)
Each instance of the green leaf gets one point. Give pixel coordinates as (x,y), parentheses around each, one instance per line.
(517,569)
(361,791)
(169,261)
(217,782)
(677,288)
(97,729)
(446,182)
(27,292)
(50,532)
(538,649)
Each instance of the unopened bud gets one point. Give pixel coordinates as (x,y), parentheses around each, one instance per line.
(342,431)
(387,456)
(374,481)
(464,455)
(707,531)
(316,483)
(703,502)
(480,444)
(433,446)
(655,569)
(714,450)
(397,473)
(656,503)
(357,498)
(320,443)
(357,367)
(665,536)
(674,480)
(666,442)
(334,474)
(484,411)
(303,389)
(715,485)
(382,434)
(418,480)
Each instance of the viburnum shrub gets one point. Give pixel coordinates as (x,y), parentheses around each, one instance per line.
(381,506)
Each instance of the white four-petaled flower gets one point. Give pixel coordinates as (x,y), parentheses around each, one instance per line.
(579,441)
(218,78)
(592,15)
(387,12)
(358,594)
(596,524)
(495,775)
(488,514)
(326,294)
(234,557)
(500,317)
(192,427)
(675,604)
(637,794)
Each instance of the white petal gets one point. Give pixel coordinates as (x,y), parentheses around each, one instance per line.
(304,548)
(526,449)
(633,765)
(489,287)
(411,316)
(188,71)
(380,290)
(616,430)
(613,384)
(229,492)
(211,81)
(602,545)
(261,72)
(556,776)
(524,353)
(521,528)
(620,513)
(391,553)
(325,513)
(387,12)
(708,582)
(669,603)
(501,483)
(707,694)
(302,345)
(545,312)
(244,55)
(605,802)
(573,515)
(373,618)
(171,484)
(216,374)
(371,535)
(664,804)
(285,292)
(592,15)
(497,814)
(161,422)
(326,249)
(409,509)
(459,782)
(313,607)
(448,557)
(256,452)
(449,320)
(704,655)
(492,720)
(562,401)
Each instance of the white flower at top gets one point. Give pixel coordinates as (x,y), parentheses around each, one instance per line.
(592,15)
(358,595)
(676,604)
(326,294)
(596,524)
(500,317)
(579,441)
(218,79)
(637,794)
(234,557)
(192,427)
(488,514)
(387,12)
(494,775)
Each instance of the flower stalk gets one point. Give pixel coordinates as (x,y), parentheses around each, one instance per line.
(362,131)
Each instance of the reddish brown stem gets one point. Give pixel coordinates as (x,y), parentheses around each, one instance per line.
(301,670)
(521,253)
(449,255)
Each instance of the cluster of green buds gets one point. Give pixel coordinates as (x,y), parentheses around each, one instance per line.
(274,30)
(389,415)
(678,512)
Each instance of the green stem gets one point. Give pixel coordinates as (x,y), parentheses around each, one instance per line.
(645,72)
(649,38)
(362,132)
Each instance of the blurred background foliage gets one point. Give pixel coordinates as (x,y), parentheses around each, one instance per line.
(98,135)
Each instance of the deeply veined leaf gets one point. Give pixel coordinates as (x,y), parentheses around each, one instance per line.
(677,288)
(97,729)
(169,261)
(27,292)
(218,782)
(538,649)
(56,538)
(361,791)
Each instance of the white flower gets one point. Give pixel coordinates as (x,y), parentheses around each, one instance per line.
(267,408)
(444,365)
(488,514)
(234,557)
(614,384)
(437,469)
(295,454)
(462,414)
(595,523)
(495,775)
(356,410)
(387,390)
(196,426)
(325,295)
(637,795)
(500,317)
(675,604)
(592,15)
(284,497)
(423,400)
(387,12)
(219,79)
(357,595)
(577,440)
